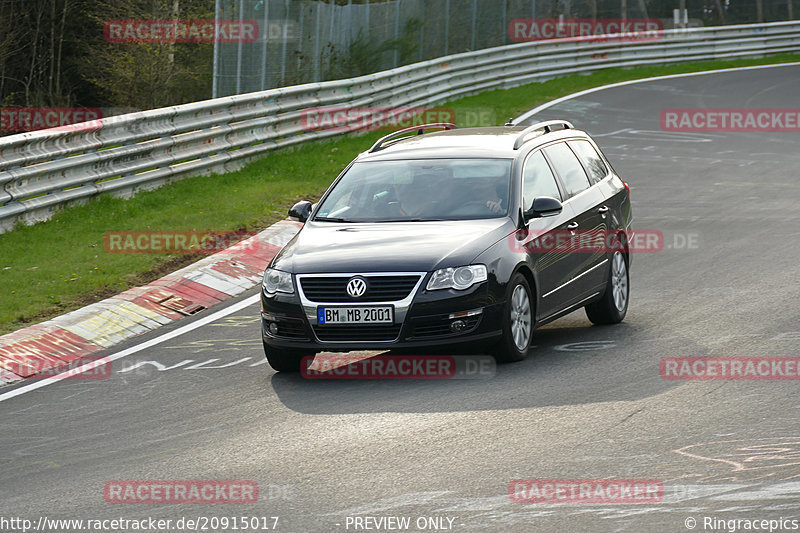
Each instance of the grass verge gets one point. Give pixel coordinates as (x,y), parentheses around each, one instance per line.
(59,265)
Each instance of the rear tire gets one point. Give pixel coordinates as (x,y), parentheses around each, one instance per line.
(518,321)
(283,360)
(613,306)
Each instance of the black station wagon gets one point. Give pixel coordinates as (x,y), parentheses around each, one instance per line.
(452,236)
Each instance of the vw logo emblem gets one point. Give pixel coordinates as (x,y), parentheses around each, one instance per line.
(356,287)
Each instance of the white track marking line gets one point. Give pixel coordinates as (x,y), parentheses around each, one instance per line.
(551,103)
(133,349)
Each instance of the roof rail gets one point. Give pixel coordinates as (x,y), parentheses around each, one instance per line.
(419,129)
(546,126)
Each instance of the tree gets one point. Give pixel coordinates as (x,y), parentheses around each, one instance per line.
(34,36)
(145,75)
(721,11)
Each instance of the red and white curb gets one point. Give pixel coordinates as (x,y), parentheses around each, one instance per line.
(53,344)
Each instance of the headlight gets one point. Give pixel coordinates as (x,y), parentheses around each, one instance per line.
(277,281)
(459,278)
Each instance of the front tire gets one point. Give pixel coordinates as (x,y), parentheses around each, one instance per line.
(613,306)
(518,321)
(283,360)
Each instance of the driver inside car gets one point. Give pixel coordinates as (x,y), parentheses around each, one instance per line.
(414,196)
(486,195)
(494,202)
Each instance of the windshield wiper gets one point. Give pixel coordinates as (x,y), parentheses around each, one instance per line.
(412,220)
(334,219)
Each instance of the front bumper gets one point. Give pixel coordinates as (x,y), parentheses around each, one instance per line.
(425,319)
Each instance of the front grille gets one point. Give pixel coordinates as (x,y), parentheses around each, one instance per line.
(358,333)
(379,288)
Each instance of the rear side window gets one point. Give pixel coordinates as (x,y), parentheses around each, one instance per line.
(591,160)
(538,180)
(568,167)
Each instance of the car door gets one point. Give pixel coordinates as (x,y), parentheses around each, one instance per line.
(588,264)
(598,171)
(548,261)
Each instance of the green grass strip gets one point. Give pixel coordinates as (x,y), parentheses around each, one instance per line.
(60,265)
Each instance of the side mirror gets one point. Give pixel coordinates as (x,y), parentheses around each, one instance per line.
(300,211)
(543,206)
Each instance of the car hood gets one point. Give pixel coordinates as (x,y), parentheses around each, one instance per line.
(389,246)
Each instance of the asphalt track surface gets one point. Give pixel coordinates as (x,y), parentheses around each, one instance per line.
(589,403)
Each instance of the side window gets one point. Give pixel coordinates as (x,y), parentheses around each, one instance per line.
(538,180)
(591,160)
(568,167)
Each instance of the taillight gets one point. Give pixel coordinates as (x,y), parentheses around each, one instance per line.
(627,187)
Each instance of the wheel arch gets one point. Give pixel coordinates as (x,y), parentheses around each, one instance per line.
(525,269)
(622,235)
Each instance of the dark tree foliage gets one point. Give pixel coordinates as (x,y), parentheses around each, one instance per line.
(42,52)
(53,52)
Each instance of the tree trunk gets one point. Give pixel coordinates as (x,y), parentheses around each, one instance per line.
(32,73)
(643,8)
(176,8)
(759,10)
(681,17)
(52,66)
(61,47)
(721,11)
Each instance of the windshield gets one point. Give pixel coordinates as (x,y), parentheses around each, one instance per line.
(420,190)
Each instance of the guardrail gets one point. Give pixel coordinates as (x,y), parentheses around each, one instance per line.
(44,170)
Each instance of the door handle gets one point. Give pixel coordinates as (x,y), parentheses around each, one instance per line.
(603,209)
(572,225)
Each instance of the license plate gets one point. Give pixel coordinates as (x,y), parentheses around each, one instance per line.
(355,315)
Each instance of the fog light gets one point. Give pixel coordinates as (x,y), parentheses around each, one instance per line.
(273,328)
(458,325)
